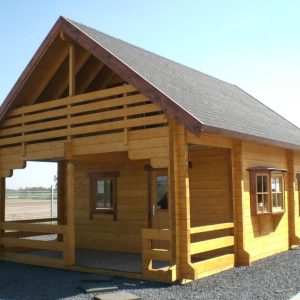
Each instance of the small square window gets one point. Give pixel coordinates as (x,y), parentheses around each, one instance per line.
(103,193)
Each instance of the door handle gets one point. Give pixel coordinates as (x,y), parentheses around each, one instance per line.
(153,210)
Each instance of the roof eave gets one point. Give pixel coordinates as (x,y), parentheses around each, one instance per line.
(249,138)
(8,101)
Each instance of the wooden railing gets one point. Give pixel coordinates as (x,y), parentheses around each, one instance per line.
(110,110)
(23,239)
(155,247)
(209,266)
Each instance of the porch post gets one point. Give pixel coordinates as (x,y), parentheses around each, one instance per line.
(69,251)
(242,257)
(2,207)
(61,192)
(292,202)
(180,202)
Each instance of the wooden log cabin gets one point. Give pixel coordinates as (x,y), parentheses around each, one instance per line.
(181,174)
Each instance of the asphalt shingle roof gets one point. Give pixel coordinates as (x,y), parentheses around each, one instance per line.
(213,102)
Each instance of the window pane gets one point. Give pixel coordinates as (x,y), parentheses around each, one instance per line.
(279,201)
(274,199)
(259,184)
(265,183)
(162,191)
(104,193)
(266,202)
(279,184)
(259,202)
(273,184)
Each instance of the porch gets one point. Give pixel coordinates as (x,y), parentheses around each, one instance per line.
(39,244)
(127,134)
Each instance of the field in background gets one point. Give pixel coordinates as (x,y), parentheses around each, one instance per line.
(34,203)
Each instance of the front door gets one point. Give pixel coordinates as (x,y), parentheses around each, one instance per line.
(159,199)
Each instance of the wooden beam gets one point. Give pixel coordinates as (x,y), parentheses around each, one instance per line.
(28,227)
(40,86)
(76,99)
(87,74)
(72,71)
(61,192)
(180,201)
(52,89)
(35,244)
(292,198)
(156,234)
(69,250)
(212,244)
(81,59)
(102,80)
(242,257)
(64,37)
(208,228)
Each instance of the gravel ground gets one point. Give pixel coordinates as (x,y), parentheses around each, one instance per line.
(277,277)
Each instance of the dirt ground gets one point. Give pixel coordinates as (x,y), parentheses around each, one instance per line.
(22,209)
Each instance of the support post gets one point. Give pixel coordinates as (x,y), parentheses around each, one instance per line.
(180,202)
(69,251)
(242,257)
(2,207)
(61,195)
(291,206)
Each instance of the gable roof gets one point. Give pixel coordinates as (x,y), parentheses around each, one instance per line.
(200,102)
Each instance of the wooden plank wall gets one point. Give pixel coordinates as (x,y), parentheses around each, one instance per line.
(268,234)
(259,237)
(210,186)
(103,232)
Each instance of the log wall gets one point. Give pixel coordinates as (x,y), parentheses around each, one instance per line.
(103,232)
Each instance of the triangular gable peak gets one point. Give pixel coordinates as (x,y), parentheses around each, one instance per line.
(196,100)
(96,68)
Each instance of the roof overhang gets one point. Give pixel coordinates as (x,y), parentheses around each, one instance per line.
(171,108)
(248,137)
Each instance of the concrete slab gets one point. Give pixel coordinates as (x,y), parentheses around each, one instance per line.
(120,295)
(97,287)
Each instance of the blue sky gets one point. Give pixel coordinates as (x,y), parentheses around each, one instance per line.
(253,44)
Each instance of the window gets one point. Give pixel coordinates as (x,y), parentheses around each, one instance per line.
(262,193)
(162,192)
(277,192)
(266,190)
(103,193)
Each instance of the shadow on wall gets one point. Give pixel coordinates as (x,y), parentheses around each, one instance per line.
(265,224)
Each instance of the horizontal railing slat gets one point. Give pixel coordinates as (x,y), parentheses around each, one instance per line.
(156,234)
(90,113)
(157,254)
(74,99)
(42,228)
(35,244)
(100,116)
(212,244)
(208,228)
